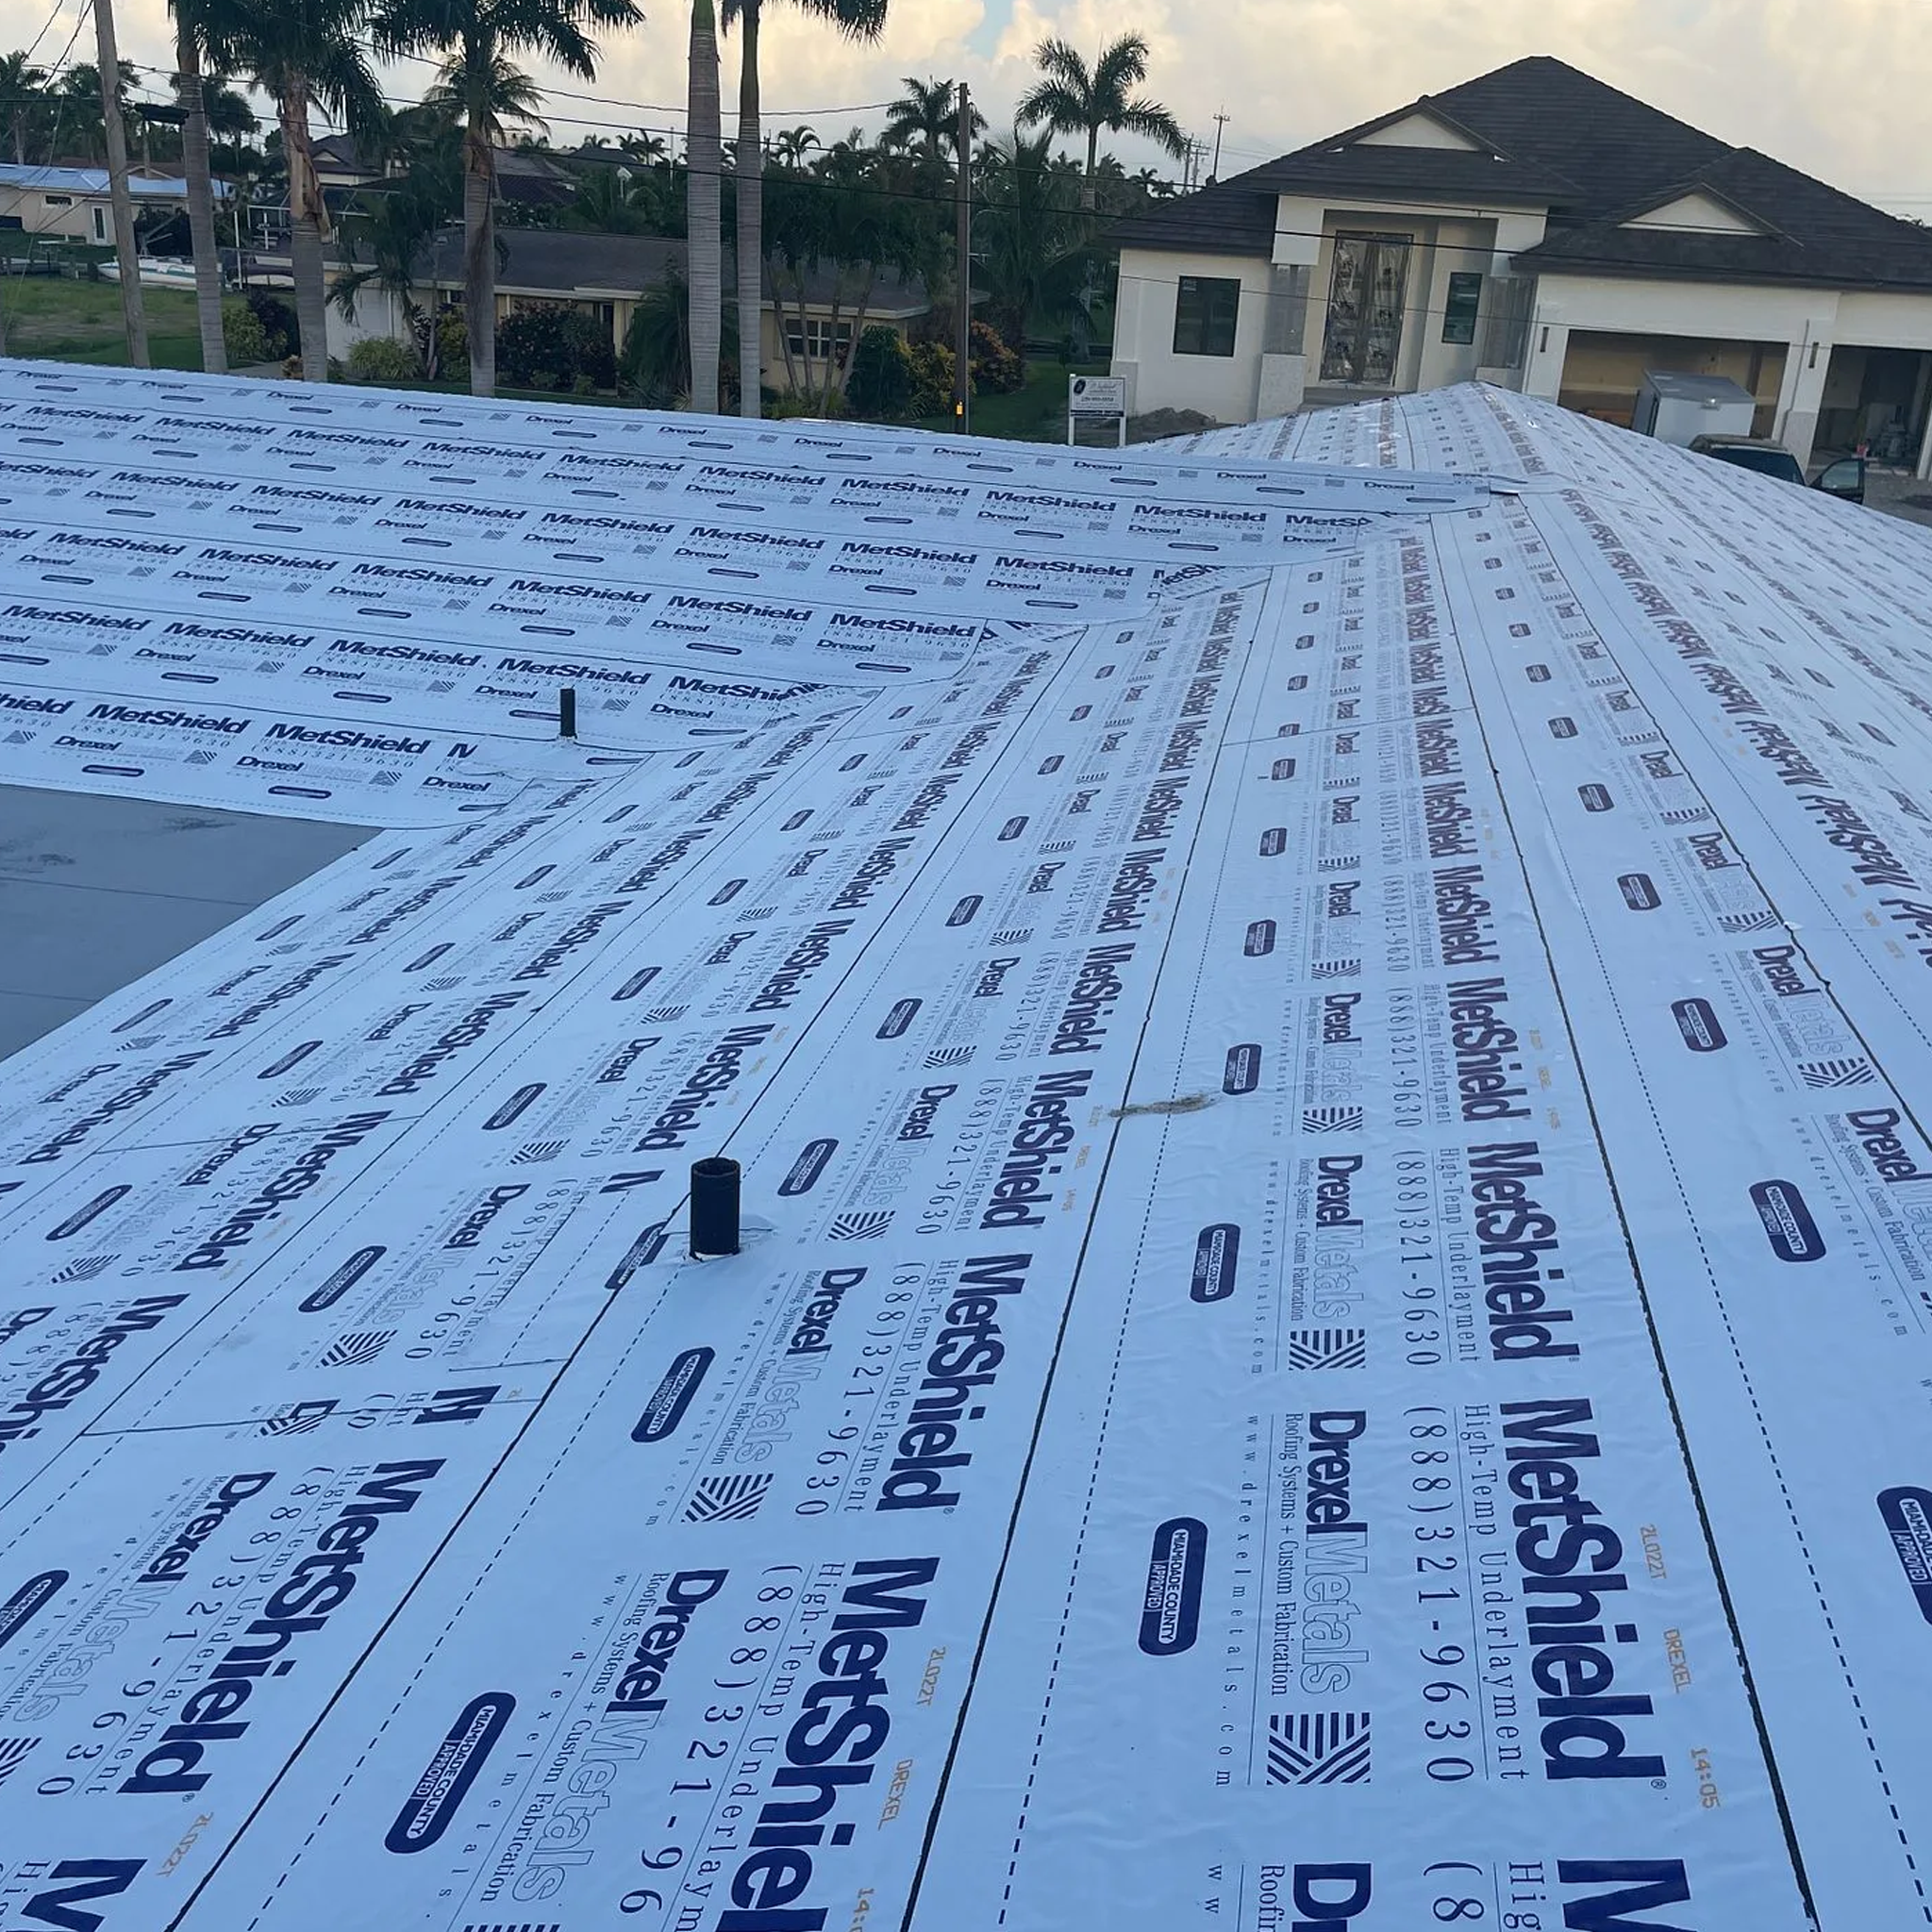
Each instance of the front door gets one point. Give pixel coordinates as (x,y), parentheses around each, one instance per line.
(1364,335)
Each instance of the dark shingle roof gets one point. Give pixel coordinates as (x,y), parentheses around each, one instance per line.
(522,175)
(1817,235)
(588,267)
(1612,148)
(1556,138)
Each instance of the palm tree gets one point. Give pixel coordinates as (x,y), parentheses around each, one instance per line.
(702,158)
(482,86)
(20,85)
(859,20)
(790,145)
(1070,100)
(1034,250)
(834,226)
(391,227)
(79,118)
(928,114)
(655,364)
(303,53)
(191,91)
(610,202)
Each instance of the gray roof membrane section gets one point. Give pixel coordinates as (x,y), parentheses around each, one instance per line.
(95,891)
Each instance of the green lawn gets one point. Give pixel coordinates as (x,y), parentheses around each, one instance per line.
(80,322)
(1035,413)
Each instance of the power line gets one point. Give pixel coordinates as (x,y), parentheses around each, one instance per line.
(42,34)
(560,94)
(9,298)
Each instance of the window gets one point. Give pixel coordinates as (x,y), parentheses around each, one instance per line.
(1459,316)
(814,340)
(1204,315)
(100,224)
(59,200)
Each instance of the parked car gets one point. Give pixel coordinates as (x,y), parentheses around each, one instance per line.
(1843,478)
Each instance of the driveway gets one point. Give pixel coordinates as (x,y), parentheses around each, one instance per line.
(1899,493)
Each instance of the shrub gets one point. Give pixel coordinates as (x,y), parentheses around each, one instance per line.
(550,347)
(277,318)
(932,379)
(880,382)
(244,336)
(382,359)
(997,370)
(452,343)
(791,408)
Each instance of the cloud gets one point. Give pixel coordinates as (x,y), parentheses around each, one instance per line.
(1775,74)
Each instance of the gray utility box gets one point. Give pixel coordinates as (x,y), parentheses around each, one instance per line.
(1674,408)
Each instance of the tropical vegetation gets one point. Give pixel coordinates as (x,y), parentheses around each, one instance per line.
(1071,98)
(482,90)
(824,228)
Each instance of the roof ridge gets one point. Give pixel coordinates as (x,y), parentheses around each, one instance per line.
(1552,60)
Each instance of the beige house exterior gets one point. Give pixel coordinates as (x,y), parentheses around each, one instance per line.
(74,205)
(608,275)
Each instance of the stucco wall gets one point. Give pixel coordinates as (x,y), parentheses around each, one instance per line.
(1819,327)
(1444,242)
(1221,386)
(72,223)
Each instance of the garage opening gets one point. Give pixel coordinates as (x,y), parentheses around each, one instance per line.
(1603,371)
(1875,400)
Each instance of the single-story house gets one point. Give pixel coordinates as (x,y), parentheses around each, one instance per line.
(74,205)
(608,274)
(1536,228)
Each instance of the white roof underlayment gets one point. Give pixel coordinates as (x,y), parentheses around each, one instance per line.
(1325,1027)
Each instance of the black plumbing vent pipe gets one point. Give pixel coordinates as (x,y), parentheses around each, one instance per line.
(714,1190)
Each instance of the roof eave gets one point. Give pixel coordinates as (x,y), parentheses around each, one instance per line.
(1256,247)
(1434,197)
(1536,261)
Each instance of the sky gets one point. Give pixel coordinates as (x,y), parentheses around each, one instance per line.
(1829,86)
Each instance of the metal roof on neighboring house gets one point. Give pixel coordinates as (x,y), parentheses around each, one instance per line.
(94,181)
(1556,137)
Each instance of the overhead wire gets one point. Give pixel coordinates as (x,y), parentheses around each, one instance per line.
(883,192)
(9,299)
(34,46)
(875,190)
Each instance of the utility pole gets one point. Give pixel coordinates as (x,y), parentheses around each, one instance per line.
(1214,172)
(131,315)
(962,353)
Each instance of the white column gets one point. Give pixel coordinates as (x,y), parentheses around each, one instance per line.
(1283,386)
(1549,344)
(1799,428)
(1801,393)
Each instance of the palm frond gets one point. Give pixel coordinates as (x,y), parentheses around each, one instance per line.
(1153,122)
(857,20)
(1123,64)
(1055,104)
